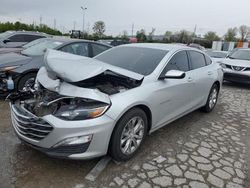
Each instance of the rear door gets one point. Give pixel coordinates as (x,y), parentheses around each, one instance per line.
(201,76)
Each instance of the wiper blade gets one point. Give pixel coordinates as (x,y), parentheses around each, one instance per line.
(230,57)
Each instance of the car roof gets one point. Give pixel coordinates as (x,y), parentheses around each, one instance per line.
(66,40)
(160,46)
(27,32)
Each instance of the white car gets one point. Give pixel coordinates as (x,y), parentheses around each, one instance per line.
(82,108)
(236,66)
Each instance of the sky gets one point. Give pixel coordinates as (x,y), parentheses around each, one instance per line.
(120,15)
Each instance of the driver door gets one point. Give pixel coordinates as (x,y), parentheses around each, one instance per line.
(174,96)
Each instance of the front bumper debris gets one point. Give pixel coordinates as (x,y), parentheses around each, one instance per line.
(6,83)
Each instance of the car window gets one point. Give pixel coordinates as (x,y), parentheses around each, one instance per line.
(216,54)
(29,38)
(34,42)
(197,59)
(208,60)
(77,49)
(17,38)
(240,54)
(97,49)
(137,59)
(178,62)
(40,48)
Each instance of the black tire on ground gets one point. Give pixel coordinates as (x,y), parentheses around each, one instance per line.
(208,108)
(115,150)
(24,79)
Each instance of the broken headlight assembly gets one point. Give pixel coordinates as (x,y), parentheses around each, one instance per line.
(79,109)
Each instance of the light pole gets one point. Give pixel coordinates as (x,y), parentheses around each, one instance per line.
(83,15)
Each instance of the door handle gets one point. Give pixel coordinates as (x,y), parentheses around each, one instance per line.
(209,73)
(190,79)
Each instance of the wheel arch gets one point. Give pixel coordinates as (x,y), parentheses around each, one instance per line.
(218,84)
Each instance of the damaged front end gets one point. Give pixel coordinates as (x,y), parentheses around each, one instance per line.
(50,116)
(42,102)
(68,95)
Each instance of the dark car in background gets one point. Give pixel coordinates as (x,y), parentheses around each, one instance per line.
(19,49)
(113,42)
(13,39)
(18,71)
(197,46)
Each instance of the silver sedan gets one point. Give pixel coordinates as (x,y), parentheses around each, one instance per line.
(82,108)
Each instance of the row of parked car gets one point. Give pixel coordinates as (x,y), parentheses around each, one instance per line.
(80,107)
(236,64)
(20,63)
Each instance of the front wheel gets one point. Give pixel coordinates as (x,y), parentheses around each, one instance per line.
(27,81)
(212,99)
(128,135)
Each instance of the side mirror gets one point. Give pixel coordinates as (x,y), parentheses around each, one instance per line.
(6,41)
(174,74)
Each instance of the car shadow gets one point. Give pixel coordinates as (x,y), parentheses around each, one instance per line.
(237,85)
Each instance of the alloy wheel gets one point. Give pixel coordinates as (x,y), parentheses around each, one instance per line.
(213,98)
(132,135)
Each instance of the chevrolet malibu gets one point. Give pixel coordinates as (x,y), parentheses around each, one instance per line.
(82,108)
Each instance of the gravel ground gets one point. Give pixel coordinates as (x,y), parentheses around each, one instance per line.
(198,150)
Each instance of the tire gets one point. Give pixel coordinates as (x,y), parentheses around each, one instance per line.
(212,99)
(124,131)
(26,78)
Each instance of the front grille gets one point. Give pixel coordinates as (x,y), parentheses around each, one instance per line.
(28,125)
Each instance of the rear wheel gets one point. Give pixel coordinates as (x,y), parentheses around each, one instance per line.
(128,135)
(26,81)
(212,99)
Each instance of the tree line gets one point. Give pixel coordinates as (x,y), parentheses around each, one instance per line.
(17,26)
(182,36)
(232,35)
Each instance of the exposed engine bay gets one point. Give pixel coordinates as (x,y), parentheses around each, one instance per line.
(109,83)
(41,101)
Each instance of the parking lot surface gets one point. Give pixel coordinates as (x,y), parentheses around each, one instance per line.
(198,150)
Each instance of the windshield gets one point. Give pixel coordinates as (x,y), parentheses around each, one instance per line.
(136,59)
(40,48)
(5,34)
(240,54)
(34,42)
(217,54)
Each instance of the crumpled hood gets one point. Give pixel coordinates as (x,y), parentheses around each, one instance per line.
(236,62)
(74,68)
(67,89)
(11,59)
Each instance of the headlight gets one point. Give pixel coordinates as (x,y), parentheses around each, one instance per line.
(10,68)
(81,110)
(223,65)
